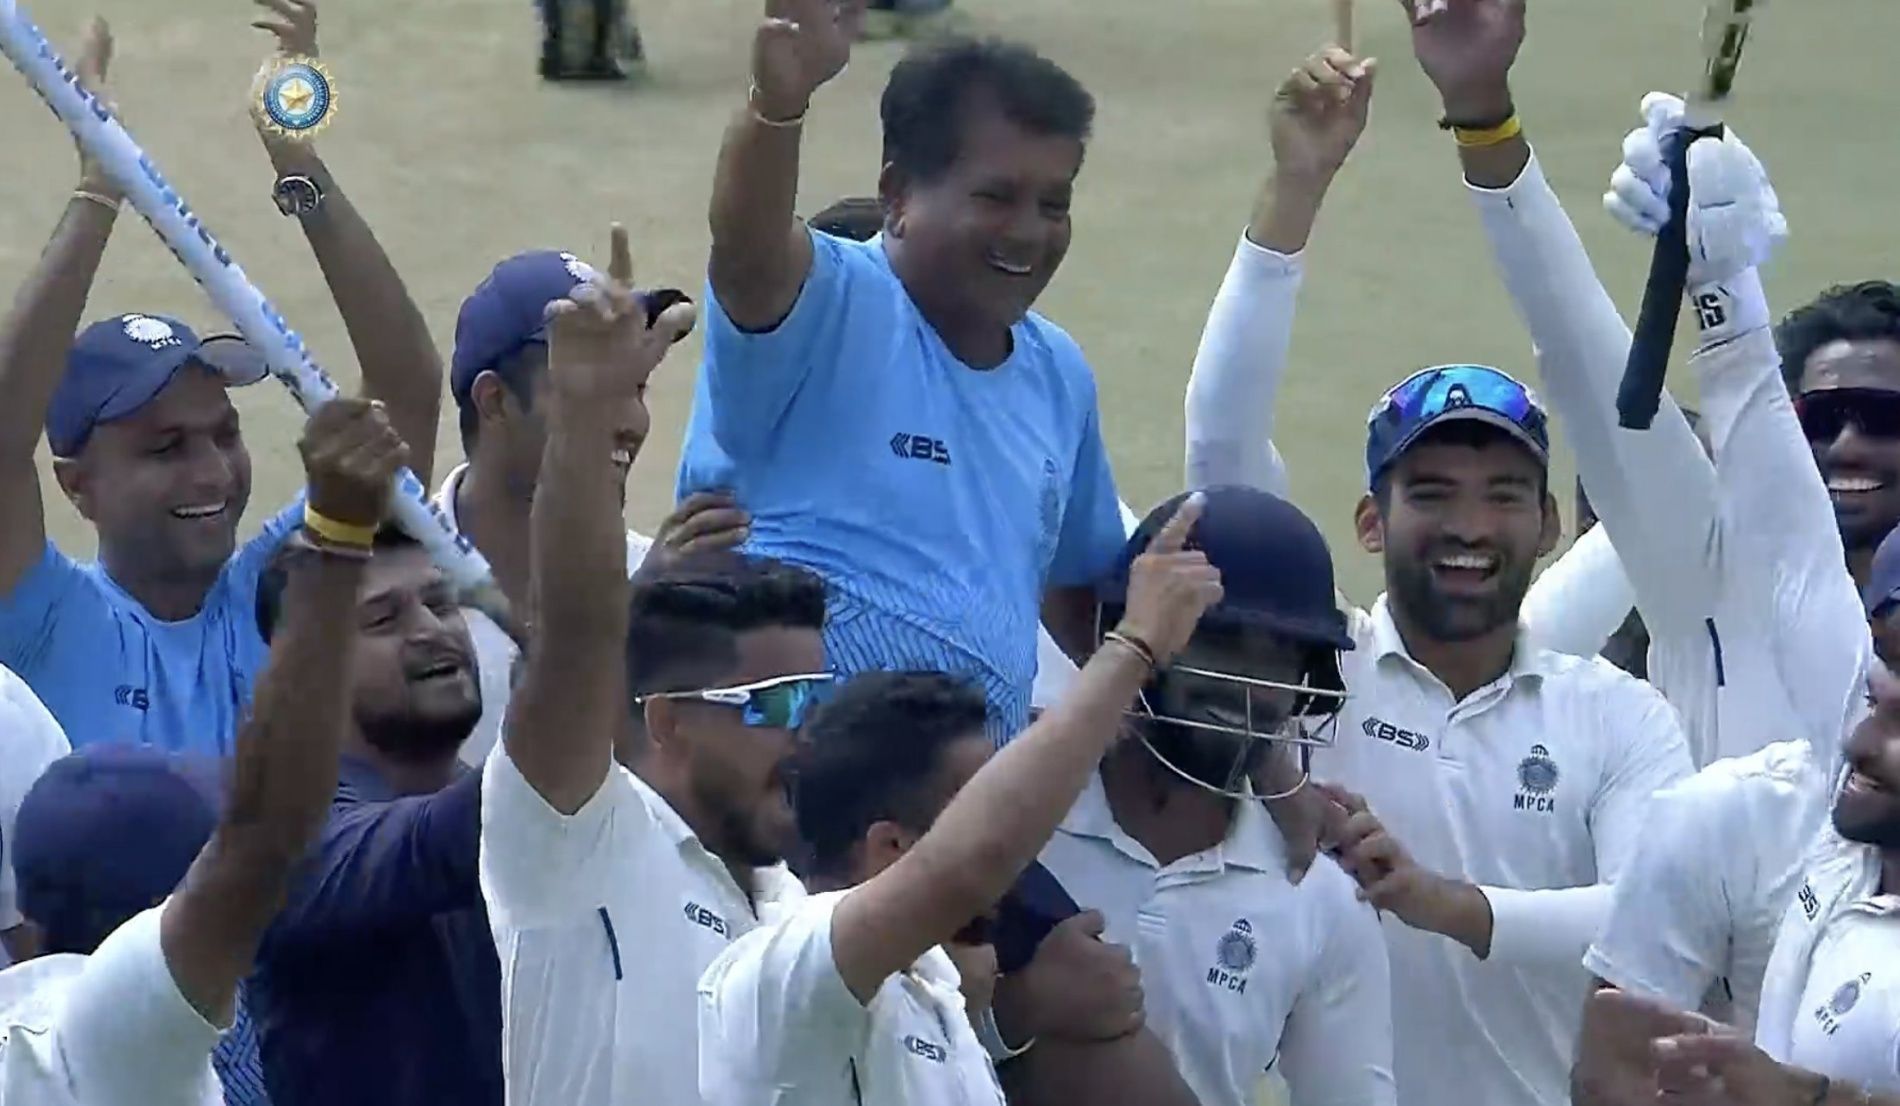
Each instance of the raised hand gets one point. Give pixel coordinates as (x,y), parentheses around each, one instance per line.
(294,22)
(1735,220)
(801,45)
(1467,48)
(350,457)
(703,522)
(1169,587)
(1319,113)
(600,345)
(95,58)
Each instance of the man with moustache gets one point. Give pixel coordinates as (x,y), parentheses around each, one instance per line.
(378,983)
(892,413)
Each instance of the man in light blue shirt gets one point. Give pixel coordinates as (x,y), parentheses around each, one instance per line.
(891,412)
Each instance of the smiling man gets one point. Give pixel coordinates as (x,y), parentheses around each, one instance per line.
(891,412)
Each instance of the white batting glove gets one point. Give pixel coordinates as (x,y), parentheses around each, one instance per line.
(1735,219)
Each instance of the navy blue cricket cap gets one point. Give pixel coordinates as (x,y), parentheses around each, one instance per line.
(1444,393)
(111,830)
(1883,578)
(1275,569)
(507,312)
(117,365)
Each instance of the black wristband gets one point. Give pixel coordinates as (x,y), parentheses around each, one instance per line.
(1447,123)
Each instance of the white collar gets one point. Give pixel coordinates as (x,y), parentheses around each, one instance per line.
(1253,842)
(1527,660)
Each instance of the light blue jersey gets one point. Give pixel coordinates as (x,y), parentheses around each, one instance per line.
(112,672)
(937,500)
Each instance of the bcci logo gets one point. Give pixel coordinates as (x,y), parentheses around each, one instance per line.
(156,333)
(295,97)
(581,271)
(1233,958)
(1537,776)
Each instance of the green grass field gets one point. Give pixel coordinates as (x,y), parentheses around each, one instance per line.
(459,156)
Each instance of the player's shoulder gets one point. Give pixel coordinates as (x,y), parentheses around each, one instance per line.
(1784,770)
(1051,347)
(1591,678)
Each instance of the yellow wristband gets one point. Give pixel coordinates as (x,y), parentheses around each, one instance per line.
(1490,136)
(335,532)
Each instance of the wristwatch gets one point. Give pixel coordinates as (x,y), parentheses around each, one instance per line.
(297,195)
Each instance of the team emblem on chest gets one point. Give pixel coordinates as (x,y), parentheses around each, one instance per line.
(1233,958)
(1845,998)
(1536,778)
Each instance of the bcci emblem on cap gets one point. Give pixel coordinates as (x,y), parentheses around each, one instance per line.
(1233,958)
(1536,779)
(295,97)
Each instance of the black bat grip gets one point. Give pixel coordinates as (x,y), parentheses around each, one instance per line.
(1643,376)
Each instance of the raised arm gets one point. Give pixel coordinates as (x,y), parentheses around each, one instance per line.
(39,331)
(1008,811)
(572,700)
(1654,490)
(1319,113)
(399,360)
(284,772)
(760,250)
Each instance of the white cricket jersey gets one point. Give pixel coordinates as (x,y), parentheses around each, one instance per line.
(1239,966)
(495,653)
(778,1026)
(1756,633)
(1534,788)
(1831,999)
(1697,908)
(110,1029)
(604,920)
(1574,605)
(30,739)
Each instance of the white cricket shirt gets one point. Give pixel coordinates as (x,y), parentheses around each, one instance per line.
(1697,908)
(1756,633)
(604,920)
(1533,787)
(30,740)
(1849,1025)
(110,1029)
(778,1026)
(494,652)
(1239,966)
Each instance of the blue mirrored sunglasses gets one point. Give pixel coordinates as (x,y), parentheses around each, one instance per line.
(781,703)
(1429,393)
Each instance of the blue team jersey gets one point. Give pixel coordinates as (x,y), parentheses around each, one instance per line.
(110,671)
(937,500)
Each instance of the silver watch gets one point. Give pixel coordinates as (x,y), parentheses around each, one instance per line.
(297,195)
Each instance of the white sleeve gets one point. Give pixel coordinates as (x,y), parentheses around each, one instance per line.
(1782,542)
(30,740)
(1556,926)
(1653,489)
(773,1009)
(541,868)
(1667,936)
(126,1033)
(1336,1049)
(1579,601)
(1237,371)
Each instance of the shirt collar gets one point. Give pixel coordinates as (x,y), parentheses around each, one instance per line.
(1252,840)
(445,495)
(770,886)
(1526,658)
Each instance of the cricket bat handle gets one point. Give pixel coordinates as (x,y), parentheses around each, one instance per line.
(1655,333)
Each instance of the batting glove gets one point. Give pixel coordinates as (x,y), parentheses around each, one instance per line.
(1735,220)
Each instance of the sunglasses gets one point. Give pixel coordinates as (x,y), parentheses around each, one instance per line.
(1430,393)
(780,703)
(1874,412)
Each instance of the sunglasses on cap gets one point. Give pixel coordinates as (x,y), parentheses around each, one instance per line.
(1874,412)
(780,703)
(1448,391)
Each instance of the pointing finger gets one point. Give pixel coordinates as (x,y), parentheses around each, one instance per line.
(1174,534)
(1342,24)
(620,257)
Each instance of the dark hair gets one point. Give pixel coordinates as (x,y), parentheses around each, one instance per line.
(1466,432)
(683,618)
(858,218)
(269,607)
(929,90)
(1861,312)
(518,371)
(873,753)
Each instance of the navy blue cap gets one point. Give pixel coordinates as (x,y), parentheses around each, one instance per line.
(1883,578)
(111,829)
(1444,393)
(1275,569)
(117,365)
(507,312)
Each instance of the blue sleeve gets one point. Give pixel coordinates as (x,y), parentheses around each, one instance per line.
(248,564)
(1092,529)
(387,863)
(54,585)
(749,378)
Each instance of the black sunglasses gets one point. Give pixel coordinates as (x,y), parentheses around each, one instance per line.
(1873,412)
